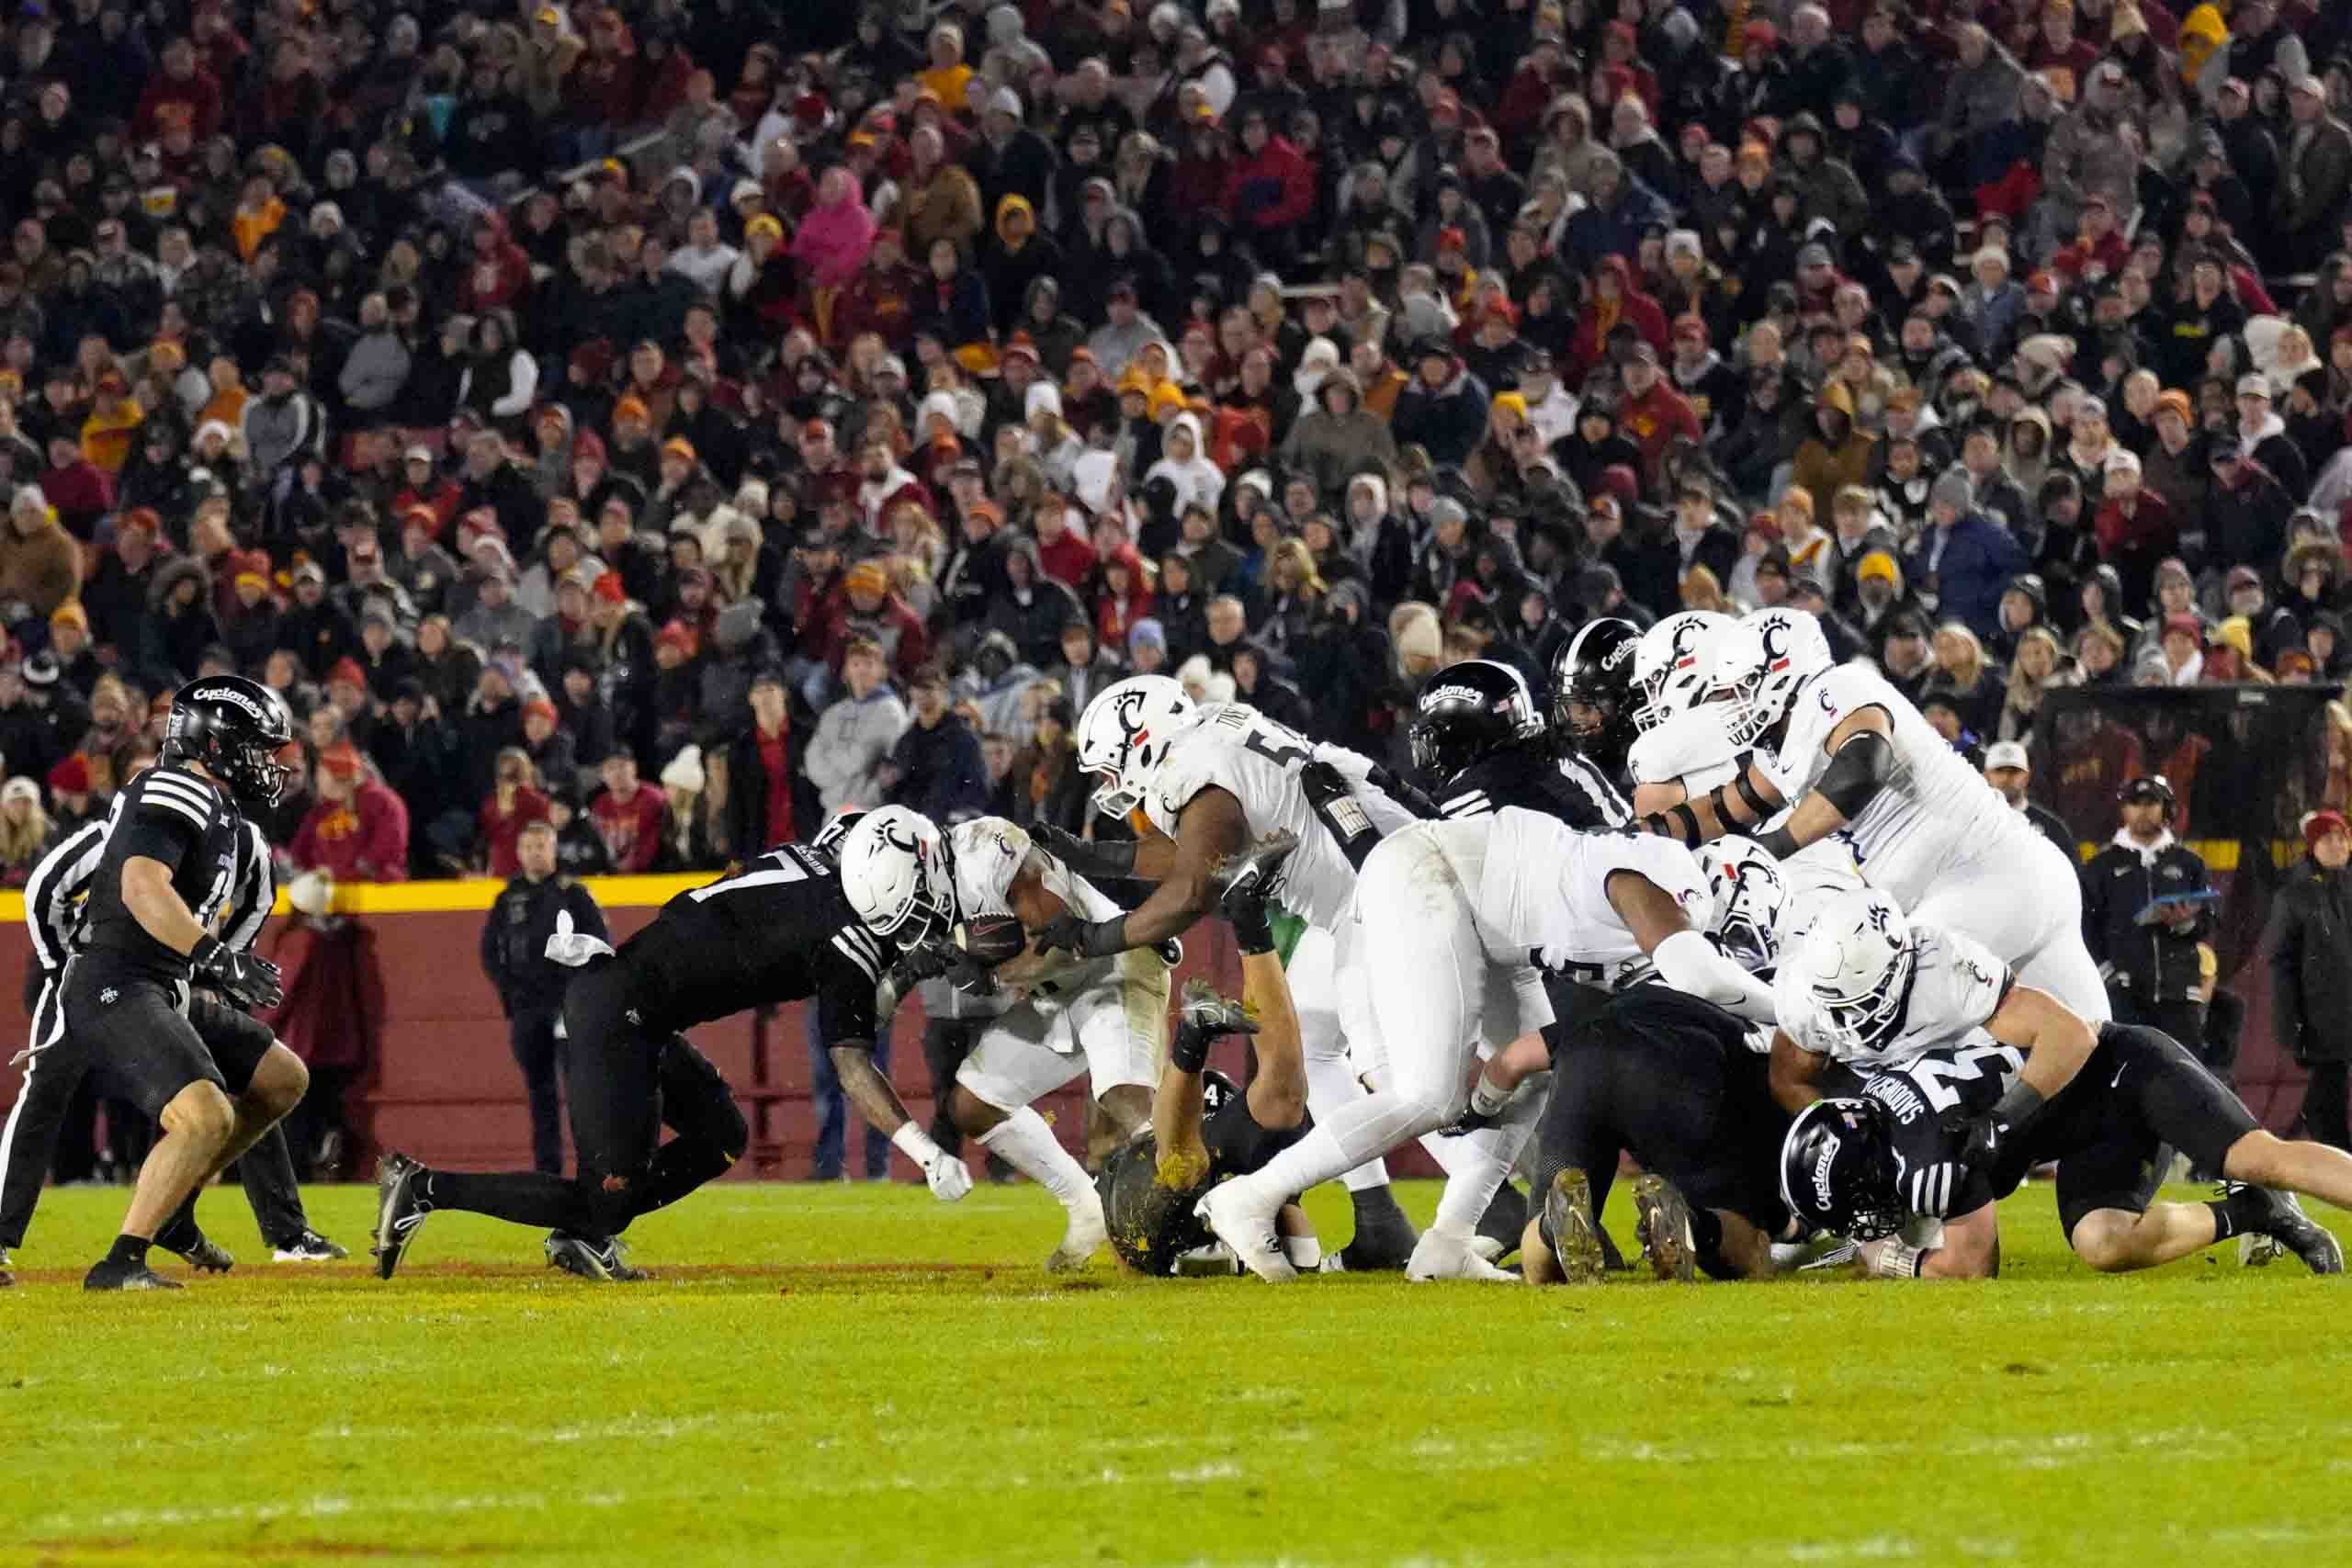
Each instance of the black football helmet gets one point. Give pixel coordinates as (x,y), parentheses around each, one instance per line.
(1596,670)
(239,730)
(828,841)
(1471,710)
(1837,1168)
(1152,1225)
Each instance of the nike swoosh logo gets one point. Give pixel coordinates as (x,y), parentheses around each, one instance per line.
(2117,1077)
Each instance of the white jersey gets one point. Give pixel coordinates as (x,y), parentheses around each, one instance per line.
(1936,813)
(1543,891)
(1955,988)
(1238,750)
(1694,750)
(990,853)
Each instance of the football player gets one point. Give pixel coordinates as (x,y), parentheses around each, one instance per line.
(1594,702)
(776,931)
(1207,783)
(1970,1078)
(1674,662)
(1855,757)
(1204,1128)
(1478,743)
(1465,910)
(1104,1017)
(1691,753)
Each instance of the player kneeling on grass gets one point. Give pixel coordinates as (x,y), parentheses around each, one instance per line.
(1204,1128)
(913,886)
(1451,914)
(1967,1080)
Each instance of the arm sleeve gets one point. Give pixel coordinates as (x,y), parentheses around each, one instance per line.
(1689,963)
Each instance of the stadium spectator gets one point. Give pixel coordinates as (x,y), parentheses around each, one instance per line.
(2309,945)
(357,829)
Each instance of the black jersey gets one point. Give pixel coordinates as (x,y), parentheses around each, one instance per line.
(2138,1091)
(54,894)
(1534,779)
(779,930)
(1933,1098)
(172,815)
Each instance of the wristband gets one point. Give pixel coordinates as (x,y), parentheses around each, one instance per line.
(1779,843)
(915,1143)
(1894,1260)
(1686,824)
(206,949)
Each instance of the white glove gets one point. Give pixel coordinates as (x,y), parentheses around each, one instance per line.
(948,1177)
(574,949)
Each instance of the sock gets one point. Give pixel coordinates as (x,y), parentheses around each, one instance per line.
(2245,1210)
(1371,1126)
(1374,1204)
(1707,1233)
(179,1233)
(1331,1086)
(128,1250)
(1030,1147)
(526,1197)
(1486,1161)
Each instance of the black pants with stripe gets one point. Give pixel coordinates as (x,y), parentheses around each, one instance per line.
(62,1058)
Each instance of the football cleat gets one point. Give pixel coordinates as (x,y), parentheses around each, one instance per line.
(1245,1221)
(398,1211)
(2291,1228)
(1442,1256)
(1085,1237)
(1576,1240)
(7,1269)
(1253,874)
(1205,1010)
(109,1275)
(591,1258)
(1662,1220)
(199,1251)
(308,1247)
(1384,1239)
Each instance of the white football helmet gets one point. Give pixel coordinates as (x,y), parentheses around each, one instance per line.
(1749,895)
(897,874)
(1123,738)
(1859,960)
(1673,662)
(1761,662)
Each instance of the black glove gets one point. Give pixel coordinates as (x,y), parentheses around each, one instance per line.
(1323,784)
(245,979)
(935,960)
(1089,858)
(1085,939)
(1986,1139)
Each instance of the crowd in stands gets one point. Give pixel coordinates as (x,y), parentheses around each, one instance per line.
(677,420)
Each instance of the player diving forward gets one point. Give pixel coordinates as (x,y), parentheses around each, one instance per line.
(776,931)
(1854,757)
(1453,919)
(1208,782)
(913,886)
(1204,1128)
(1969,1077)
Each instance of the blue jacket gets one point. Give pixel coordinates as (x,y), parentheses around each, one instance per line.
(1979,557)
(1593,233)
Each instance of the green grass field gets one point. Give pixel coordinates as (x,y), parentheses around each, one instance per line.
(855,1375)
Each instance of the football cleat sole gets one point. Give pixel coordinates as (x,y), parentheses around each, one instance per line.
(1663,1217)
(1576,1240)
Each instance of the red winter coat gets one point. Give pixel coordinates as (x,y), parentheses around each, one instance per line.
(365,840)
(1271,189)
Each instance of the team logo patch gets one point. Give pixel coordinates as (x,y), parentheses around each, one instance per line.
(108,995)
(1827,1157)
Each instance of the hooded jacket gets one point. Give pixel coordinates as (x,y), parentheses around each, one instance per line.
(1823,468)
(42,568)
(1335,447)
(1012,268)
(1447,423)
(1197,480)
